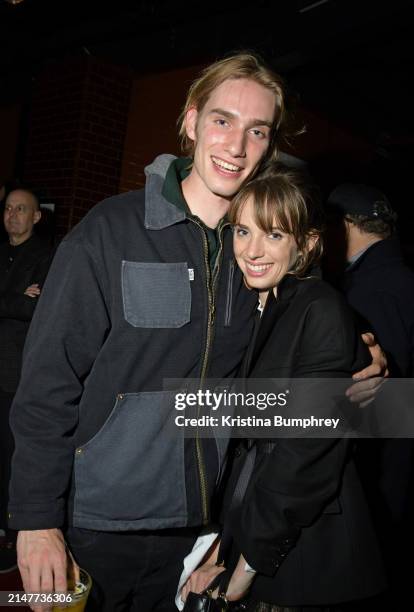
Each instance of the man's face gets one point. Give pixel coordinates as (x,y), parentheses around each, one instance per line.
(20,214)
(231,135)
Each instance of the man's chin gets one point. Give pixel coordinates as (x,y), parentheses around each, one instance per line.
(227,193)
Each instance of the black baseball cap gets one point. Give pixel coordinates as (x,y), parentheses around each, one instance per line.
(356,199)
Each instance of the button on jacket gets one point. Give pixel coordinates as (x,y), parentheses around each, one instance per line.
(129,302)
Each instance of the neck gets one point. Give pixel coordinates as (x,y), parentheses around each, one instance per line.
(359,241)
(210,208)
(263,297)
(17,240)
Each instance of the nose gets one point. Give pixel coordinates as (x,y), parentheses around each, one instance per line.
(255,248)
(237,143)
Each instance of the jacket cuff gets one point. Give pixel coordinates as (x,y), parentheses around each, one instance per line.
(36,516)
(267,559)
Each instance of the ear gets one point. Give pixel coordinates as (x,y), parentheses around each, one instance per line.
(191,123)
(349,226)
(37,216)
(311,242)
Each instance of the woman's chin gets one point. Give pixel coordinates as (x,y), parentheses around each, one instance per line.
(256,284)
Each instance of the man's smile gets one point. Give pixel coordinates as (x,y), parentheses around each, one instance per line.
(224,165)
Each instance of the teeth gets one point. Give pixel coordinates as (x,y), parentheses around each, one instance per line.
(226,165)
(260,268)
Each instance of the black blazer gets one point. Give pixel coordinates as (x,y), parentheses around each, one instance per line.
(304,524)
(30,266)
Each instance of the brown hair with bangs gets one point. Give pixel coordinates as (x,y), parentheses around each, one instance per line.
(283,198)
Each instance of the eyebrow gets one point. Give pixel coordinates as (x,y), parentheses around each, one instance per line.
(274,228)
(230,115)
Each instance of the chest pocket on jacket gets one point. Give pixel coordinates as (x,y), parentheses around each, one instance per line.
(156,295)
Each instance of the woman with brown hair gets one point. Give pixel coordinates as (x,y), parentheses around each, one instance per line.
(302,535)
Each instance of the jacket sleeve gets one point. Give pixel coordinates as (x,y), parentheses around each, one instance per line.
(292,485)
(386,321)
(67,331)
(19,306)
(288,491)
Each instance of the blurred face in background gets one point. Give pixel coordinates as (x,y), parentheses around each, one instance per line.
(21,213)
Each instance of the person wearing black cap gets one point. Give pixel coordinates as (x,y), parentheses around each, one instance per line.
(377,283)
(380,287)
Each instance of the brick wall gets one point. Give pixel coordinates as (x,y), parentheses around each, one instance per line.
(323,137)
(156,103)
(157,100)
(77,129)
(9,130)
(94,127)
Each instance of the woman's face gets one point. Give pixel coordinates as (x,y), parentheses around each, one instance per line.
(263,258)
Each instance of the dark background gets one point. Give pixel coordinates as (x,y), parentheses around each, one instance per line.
(89,91)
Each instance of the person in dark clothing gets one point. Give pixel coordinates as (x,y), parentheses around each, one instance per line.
(380,287)
(24,262)
(3,234)
(376,282)
(303,525)
(144,288)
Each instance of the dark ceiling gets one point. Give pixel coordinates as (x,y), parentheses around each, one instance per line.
(351,61)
